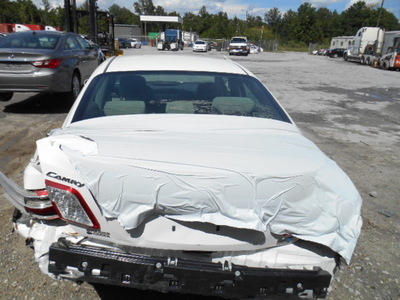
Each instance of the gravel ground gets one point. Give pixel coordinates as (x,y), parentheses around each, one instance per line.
(350,111)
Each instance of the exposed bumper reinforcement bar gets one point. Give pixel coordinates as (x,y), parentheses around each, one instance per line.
(166,274)
(27,201)
(16,195)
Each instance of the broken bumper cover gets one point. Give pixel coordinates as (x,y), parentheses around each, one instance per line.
(190,276)
(27,201)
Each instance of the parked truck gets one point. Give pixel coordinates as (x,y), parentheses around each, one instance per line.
(366,46)
(9,27)
(390,59)
(373,46)
(170,39)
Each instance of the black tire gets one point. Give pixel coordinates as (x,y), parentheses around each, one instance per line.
(6,96)
(345,57)
(75,87)
(385,65)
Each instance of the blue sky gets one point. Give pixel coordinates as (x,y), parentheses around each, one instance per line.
(239,8)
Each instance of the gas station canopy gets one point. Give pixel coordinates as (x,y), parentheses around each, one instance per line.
(170,19)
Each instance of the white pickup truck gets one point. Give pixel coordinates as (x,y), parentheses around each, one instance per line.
(239,46)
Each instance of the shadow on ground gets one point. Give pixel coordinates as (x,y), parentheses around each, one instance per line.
(41,104)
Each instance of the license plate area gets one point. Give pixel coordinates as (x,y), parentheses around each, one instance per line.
(15,67)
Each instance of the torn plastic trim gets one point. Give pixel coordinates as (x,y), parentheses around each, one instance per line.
(165,274)
(38,205)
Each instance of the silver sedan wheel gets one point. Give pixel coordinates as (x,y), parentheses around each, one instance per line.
(75,86)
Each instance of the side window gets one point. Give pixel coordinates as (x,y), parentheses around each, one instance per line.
(72,44)
(249,93)
(83,43)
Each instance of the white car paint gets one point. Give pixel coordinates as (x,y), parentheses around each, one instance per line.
(176,182)
(200,46)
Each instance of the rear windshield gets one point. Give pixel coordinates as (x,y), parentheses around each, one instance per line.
(177,92)
(31,41)
(238,40)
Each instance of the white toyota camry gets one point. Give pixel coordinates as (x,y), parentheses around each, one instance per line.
(184,174)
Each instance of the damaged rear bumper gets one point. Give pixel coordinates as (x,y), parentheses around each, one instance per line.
(191,276)
(37,205)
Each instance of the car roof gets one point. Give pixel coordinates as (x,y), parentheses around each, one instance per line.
(43,32)
(164,62)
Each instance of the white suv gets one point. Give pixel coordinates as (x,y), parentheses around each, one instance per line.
(135,43)
(239,46)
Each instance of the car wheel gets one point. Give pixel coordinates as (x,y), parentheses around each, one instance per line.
(385,65)
(6,96)
(335,55)
(75,87)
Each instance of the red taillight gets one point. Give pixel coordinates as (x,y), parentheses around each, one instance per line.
(42,193)
(70,205)
(47,211)
(48,63)
(397,61)
(41,206)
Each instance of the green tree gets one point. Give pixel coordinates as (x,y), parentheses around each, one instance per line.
(45,13)
(122,15)
(324,23)
(306,30)
(254,21)
(57,17)
(220,26)
(273,17)
(144,7)
(356,16)
(28,13)
(190,22)
(289,23)
(5,11)
(386,19)
(337,27)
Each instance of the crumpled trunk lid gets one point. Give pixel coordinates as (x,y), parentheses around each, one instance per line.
(239,172)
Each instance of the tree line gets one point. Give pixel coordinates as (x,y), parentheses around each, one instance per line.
(307,24)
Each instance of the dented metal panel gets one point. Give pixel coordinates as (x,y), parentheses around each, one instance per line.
(238,172)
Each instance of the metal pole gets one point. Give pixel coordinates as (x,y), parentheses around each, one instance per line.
(93,20)
(67,8)
(380,12)
(74,18)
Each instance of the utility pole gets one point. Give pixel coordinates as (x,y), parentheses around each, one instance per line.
(74,18)
(93,20)
(380,12)
(68,17)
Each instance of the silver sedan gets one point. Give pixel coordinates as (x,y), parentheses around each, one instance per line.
(45,61)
